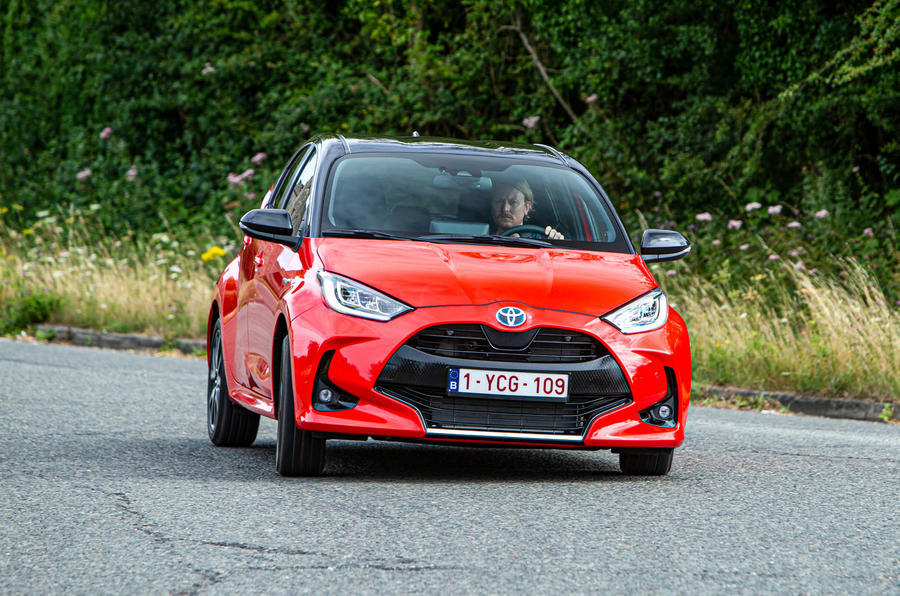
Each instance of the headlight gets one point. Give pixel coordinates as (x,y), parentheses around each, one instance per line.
(353,298)
(648,312)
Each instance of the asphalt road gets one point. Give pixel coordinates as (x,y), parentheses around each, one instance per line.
(109,484)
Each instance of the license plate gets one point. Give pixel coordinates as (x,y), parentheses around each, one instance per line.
(470,381)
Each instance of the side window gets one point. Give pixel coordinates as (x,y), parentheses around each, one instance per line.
(298,196)
(279,199)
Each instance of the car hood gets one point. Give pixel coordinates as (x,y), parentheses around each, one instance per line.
(429,274)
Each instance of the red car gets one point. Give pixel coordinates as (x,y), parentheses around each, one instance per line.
(451,292)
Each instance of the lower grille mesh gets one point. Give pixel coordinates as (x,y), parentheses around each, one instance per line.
(570,418)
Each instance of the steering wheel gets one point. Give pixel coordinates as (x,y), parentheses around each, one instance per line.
(525,231)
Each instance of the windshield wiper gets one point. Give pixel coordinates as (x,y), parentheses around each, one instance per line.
(486,239)
(355,233)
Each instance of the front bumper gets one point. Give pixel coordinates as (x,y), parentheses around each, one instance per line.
(371,362)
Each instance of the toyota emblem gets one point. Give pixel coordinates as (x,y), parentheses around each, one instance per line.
(510,316)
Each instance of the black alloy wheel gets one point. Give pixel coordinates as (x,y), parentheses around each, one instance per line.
(228,424)
(646,462)
(297,452)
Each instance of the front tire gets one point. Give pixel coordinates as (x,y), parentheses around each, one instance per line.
(228,424)
(646,462)
(297,452)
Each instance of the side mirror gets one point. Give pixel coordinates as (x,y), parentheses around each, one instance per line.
(272,225)
(663,245)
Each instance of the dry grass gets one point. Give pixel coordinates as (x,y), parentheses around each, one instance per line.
(834,337)
(829,336)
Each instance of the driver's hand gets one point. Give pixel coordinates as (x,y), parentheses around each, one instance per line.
(553,234)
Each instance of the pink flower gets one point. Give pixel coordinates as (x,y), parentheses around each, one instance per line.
(799,266)
(250,195)
(794,225)
(868,232)
(813,271)
(671,272)
(235,179)
(258,158)
(821,214)
(855,169)
(705,216)
(531,121)
(132,173)
(743,247)
(794,253)
(735,224)
(657,194)
(716,242)
(752,206)
(590,98)
(208,69)
(106,133)
(248,173)
(774,209)
(304,127)
(84,174)
(774,257)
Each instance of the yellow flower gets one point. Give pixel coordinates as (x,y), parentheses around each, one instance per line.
(18,208)
(4,210)
(27,232)
(212,253)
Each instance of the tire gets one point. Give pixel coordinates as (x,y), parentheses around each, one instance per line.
(228,424)
(297,452)
(646,462)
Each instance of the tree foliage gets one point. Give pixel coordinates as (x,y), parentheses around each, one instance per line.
(679,106)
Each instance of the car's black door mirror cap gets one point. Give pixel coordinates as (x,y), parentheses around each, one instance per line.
(272,225)
(663,245)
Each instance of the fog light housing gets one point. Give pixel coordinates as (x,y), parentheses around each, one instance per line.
(664,412)
(327,397)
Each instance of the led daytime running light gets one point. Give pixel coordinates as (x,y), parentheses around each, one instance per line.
(649,312)
(353,298)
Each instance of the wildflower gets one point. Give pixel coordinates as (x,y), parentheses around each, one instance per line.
(794,253)
(106,133)
(735,224)
(774,209)
(248,173)
(855,169)
(821,214)
(175,269)
(774,257)
(590,98)
(42,214)
(868,232)
(27,232)
(799,266)
(705,216)
(657,194)
(212,253)
(671,272)
(813,271)
(235,179)
(132,173)
(84,174)
(304,127)
(250,195)
(531,121)
(716,242)
(208,69)
(743,247)
(258,158)
(17,208)
(752,206)
(794,225)
(3,209)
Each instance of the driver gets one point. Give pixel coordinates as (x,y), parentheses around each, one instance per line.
(510,205)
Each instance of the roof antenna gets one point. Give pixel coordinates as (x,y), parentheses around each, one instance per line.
(415,133)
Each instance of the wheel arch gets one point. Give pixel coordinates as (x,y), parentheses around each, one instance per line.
(281,331)
(211,319)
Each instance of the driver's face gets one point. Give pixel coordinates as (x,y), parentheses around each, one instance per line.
(508,208)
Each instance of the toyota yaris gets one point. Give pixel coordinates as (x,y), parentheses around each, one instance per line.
(445,292)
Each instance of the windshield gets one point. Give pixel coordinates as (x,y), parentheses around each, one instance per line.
(461,198)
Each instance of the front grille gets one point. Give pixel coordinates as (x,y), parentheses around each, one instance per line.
(479,342)
(473,413)
(417,375)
